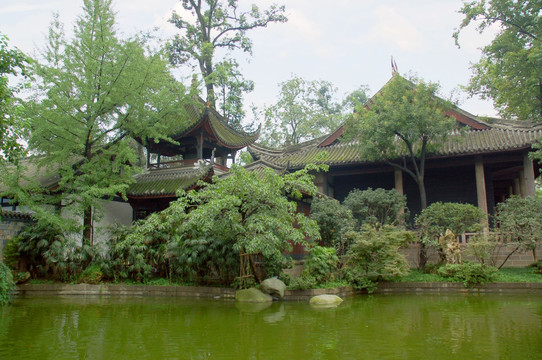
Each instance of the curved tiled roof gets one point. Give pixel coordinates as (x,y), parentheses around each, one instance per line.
(199,115)
(259,166)
(166,182)
(470,142)
(16,215)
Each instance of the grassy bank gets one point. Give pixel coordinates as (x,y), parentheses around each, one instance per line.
(504,275)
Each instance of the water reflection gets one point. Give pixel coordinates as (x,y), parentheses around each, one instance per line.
(405,327)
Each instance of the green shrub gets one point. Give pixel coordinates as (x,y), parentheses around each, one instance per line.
(519,220)
(374,256)
(11,253)
(275,263)
(285,278)
(47,253)
(377,207)
(91,275)
(470,274)
(321,263)
(334,220)
(6,284)
(438,217)
(148,249)
(303,282)
(481,248)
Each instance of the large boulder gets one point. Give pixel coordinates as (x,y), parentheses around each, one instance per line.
(273,287)
(326,300)
(252,295)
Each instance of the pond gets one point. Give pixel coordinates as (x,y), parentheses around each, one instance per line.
(465,326)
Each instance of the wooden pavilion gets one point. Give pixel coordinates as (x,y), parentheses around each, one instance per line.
(206,144)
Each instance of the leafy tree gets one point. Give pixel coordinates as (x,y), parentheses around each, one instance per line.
(355,99)
(230,88)
(200,236)
(402,124)
(304,111)
(510,70)
(251,212)
(244,158)
(213,25)
(12,62)
(94,93)
(334,220)
(376,207)
(518,220)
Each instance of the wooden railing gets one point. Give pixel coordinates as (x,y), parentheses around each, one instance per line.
(185,163)
(171,164)
(495,236)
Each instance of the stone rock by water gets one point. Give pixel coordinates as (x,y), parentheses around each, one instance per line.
(326,300)
(252,295)
(273,287)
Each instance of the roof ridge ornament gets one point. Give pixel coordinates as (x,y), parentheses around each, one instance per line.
(394,69)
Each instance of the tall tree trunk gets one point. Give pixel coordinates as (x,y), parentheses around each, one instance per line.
(210,94)
(423,195)
(87,226)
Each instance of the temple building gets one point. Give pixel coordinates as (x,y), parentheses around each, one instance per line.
(483,164)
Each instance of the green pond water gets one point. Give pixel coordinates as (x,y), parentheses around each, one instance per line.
(462,326)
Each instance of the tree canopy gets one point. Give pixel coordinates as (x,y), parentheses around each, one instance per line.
(93,94)
(305,110)
(400,125)
(203,233)
(211,25)
(12,62)
(510,70)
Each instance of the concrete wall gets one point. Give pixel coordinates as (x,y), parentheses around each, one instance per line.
(114,212)
(518,259)
(11,224)
(157,290)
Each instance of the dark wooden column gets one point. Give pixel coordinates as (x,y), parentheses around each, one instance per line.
(399,184)
(199,145)
(527,177)
(481,186)
(399,181)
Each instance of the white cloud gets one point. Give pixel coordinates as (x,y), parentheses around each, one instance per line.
(308,33)
(392,27)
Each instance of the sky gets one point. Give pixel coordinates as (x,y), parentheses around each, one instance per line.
(347,42)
